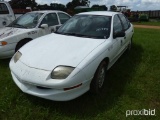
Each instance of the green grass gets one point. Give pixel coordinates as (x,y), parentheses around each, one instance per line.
(133,84)
(152,23)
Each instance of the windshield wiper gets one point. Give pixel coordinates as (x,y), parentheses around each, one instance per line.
(74,34)
(78,35)
(81,35)
(18,25)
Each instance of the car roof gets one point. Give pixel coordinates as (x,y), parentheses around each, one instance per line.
(106,13)
(46,11)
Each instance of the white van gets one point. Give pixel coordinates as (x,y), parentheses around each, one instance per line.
(6,14)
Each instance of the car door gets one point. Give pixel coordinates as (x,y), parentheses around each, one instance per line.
(51,20)
(63,17)
(118,41)
(128,31)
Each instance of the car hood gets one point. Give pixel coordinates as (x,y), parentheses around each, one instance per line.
(53,50)
(10,31)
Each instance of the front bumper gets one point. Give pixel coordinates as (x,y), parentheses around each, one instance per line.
(37,82)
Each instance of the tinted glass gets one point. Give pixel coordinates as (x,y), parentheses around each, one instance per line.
(117,26)
(63,17)
(124,21)
(50,19)
(93,26)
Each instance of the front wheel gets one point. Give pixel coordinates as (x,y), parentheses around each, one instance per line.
(99,78)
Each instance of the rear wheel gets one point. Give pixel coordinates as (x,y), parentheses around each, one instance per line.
(99,78)
(20,44)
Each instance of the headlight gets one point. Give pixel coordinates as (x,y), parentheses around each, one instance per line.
(61,72)
(3,43)
(17,56)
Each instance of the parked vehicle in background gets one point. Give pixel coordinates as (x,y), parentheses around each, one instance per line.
(66,64)
(125,10)
(80,9)
(28,27)
(8,15)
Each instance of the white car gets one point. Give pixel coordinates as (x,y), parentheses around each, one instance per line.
(28,27)
(66,64)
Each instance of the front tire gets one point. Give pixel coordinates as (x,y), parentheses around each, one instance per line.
(99,78)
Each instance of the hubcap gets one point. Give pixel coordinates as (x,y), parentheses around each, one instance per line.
(101,77)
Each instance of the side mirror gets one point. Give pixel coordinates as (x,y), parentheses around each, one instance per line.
(119,34)
(44,26)
(57,27)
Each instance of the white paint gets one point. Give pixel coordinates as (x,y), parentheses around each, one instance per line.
(44,54)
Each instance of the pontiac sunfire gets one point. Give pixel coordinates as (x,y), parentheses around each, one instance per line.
(66,64)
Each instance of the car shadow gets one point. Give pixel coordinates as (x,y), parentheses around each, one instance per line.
(4,63)
(90,105)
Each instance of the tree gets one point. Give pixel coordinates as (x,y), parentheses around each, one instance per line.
(33,4)
(102,7)
(75,3)
(56,6)
(95,6)
(16,4)
(43,7)
(85,3)
(113,8)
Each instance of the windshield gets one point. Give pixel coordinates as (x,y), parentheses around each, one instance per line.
(28,20)
(90,26)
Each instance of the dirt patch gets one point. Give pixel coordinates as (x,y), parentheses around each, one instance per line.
(147,26)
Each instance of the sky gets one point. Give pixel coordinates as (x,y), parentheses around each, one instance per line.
(134,5)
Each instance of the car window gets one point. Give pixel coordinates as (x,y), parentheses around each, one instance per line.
(51,19)
(125,22)
(3,9)
(63,17)
(94,26)
(117,26)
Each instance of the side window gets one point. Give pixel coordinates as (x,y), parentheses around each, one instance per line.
(50,19)
(63,17)
(3,9)
(125,22)
(117,26)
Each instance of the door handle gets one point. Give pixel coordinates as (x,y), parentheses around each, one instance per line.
(121,42)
